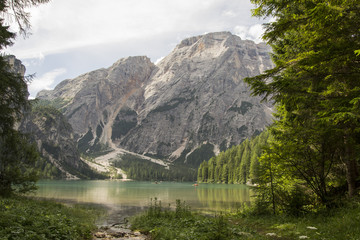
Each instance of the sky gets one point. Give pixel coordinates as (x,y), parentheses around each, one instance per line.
(69,38)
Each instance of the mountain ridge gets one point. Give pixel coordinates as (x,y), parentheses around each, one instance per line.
(193,96)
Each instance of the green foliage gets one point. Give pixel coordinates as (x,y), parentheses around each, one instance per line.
(181,223)
(17,156)
(143,170)
(278,191)
(18,13)
(331,224)
(47,170)
(163,223)
(315,86)
(13,95)
(23,218)
(50,117)
(308,164)
(57,103)
(238,164)
(17,163)
(51,114)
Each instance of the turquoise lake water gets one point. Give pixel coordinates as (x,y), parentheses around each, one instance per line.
(133,194)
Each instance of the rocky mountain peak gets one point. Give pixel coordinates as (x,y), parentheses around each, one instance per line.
(208,39)
(195,96)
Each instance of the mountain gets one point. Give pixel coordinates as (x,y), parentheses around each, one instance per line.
(54,138)
(93,101)
(192,104)
(53,135)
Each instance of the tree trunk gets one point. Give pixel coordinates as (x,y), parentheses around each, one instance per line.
(272,190)
(351,167)
(351,176)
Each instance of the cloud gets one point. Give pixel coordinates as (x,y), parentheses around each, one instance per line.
(84,35)
(229,13)
(256,31)
(253,32)
(46,81)
(61,26)
(34,61)
(241,31)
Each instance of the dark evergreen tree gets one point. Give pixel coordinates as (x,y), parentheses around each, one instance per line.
(315,86)
(17,157)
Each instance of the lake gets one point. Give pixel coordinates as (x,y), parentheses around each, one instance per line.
(135,196)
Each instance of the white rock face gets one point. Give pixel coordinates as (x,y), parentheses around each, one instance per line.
(93,100)
(195,95)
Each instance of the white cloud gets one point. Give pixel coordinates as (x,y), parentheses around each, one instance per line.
(83,35)
(241,31)
(229,13)
(46,81)
(62,25)
(253,32)
(34,61)
(256,31)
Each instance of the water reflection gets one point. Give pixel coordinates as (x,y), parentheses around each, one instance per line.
(223,197)
(213,197)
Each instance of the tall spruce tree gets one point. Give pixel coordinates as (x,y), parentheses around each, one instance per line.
(316,88)
(17,157)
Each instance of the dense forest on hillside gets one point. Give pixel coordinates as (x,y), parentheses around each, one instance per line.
(143,170)
(239,164)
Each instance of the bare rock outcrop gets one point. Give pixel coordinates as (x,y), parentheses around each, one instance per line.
(194,96)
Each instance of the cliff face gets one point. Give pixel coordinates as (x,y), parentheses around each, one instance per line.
(53,136)
(93,101)
(16,65)
(194,96)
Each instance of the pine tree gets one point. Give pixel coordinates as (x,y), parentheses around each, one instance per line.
(17,157)
(236,165)
(315,85)
(245,160)
(211,170)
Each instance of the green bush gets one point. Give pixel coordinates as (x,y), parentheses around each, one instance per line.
(180,223)
(24,218)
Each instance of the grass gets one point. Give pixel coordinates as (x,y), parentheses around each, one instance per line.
(182,223)
(25,218)
(164,223)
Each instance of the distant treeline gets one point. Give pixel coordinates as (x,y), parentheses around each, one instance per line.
(144,170)
(238,164)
